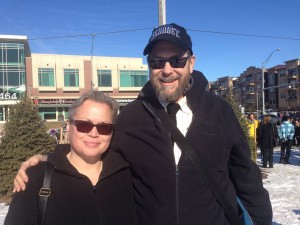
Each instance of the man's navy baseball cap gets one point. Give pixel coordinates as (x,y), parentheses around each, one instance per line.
(173,33)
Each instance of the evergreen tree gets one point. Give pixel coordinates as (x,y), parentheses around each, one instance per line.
(24,135)
(243,121)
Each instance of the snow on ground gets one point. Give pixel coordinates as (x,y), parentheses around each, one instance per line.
(282,182)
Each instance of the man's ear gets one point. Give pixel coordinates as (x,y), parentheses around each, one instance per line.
(192,63)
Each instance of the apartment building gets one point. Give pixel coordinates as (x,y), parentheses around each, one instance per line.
(289,92)
(281,83)
(55,81)
(273,79)
(248,89)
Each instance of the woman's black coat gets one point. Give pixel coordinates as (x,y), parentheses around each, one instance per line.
(267,135)
(74,200)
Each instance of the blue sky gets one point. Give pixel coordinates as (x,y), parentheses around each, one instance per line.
(122,28)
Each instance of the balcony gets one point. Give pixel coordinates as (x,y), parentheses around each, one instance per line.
(292,98)
(250,92)
(249,83)
(291,76)
(250,101)
(293,88)
(221,88)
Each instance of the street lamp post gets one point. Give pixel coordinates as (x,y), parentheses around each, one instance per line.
(161,12)
(263,64)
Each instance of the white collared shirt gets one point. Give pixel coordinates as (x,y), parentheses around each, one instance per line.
(184,118)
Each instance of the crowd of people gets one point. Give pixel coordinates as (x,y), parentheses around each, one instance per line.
(271,132)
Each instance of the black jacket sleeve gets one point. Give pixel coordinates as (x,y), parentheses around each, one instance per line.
(24,206)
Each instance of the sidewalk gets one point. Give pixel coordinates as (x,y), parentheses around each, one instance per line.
(283,184)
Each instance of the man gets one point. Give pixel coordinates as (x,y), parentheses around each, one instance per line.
(253,130)
(168,189)
(253,125)
(286,133)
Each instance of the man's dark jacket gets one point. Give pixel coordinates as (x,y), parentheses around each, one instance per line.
(74,200)
(178,195)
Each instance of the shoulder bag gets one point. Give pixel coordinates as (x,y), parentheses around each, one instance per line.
(44,193)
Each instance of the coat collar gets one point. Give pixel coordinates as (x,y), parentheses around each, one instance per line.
(112,161)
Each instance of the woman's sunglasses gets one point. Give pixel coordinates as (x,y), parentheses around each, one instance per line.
(159,63)
(84,126)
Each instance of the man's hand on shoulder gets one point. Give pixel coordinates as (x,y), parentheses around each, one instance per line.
(21,178)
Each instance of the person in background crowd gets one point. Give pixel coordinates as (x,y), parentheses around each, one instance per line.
(253,125)
(90,185)
(297,132)
(286,134)
(168,188)
(267,134)
(54,135)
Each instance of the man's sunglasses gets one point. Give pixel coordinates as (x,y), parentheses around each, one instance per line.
(84,126)
(159,63)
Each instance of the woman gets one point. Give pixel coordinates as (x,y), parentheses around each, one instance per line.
(267,134)
(90,184)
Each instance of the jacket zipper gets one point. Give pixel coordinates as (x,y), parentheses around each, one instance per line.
(177,195)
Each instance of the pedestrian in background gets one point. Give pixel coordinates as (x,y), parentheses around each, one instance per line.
(267,135)
(286,133)
(297,132)
(253,126)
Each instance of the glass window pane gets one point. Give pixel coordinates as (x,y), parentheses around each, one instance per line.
(49,113)
(133,78)
(124,78)
(104,78)
(46,77)
(71,77)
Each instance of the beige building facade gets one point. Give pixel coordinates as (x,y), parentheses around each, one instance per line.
(54,81)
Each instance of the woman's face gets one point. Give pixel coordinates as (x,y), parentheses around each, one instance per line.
(90,145)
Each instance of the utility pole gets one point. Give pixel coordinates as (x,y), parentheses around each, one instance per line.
(92,64)
(161,12)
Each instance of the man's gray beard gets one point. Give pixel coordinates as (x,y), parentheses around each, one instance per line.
(162,94)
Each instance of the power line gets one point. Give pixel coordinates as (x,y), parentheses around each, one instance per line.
(147,28)
(247,35)
(91,34)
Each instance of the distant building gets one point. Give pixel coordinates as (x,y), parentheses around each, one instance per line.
(222,85)
(14,50)
(281,83)
(248,89)
(289,94)
(54,81)
(272,79)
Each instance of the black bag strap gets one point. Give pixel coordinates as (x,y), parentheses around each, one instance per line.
(44,193)
(197,162)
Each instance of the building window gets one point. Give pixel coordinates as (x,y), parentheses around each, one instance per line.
(104,78)
(12,71)
(133,78)
(272,101)
(46,77)
(71,77)
(48,113)
(292,71)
